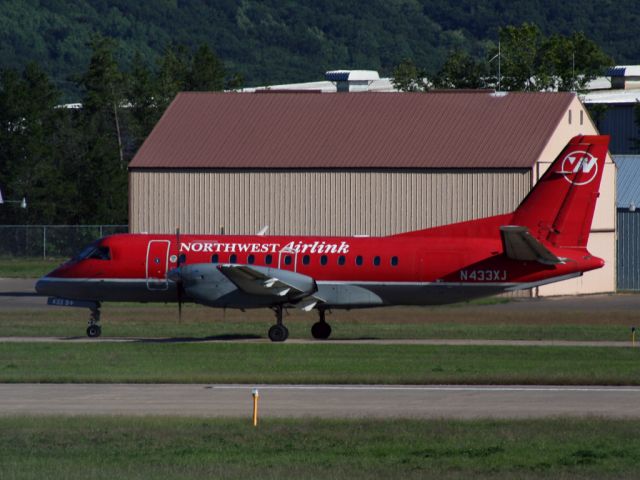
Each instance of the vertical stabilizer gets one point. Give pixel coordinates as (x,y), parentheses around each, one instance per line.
(559,209)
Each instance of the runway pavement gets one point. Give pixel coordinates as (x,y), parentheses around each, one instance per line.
(17,293)
(327,401)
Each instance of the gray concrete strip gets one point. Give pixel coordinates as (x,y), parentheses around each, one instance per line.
(327,401)
(19,293)
(298,341)
(18,285)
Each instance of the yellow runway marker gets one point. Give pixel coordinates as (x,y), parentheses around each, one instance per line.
(255,395)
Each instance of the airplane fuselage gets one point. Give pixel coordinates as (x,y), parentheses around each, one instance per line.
(349,272)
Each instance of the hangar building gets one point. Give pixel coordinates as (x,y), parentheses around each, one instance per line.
(357,164)
(613,102)
(628,222)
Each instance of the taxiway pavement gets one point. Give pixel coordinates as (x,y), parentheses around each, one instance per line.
(326,401)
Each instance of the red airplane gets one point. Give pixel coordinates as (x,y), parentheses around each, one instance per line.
(543,241)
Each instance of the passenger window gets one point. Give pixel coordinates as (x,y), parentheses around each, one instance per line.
(287,260)
(268,259)
(394,261)
(376,261)
(305,260)
(341,260)
(251,259)
(233,258)
(359,260)
(214,258)
(323,260)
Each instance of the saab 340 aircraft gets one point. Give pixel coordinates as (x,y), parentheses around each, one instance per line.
(543,241)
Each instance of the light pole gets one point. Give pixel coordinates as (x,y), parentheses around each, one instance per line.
(499,57)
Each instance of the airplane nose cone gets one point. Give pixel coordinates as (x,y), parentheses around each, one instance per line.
(44,286)
(38,287)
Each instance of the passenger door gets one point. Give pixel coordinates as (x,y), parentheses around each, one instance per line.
(158,264)
(288,259)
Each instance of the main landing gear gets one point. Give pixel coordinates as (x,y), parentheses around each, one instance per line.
(321,330)
(278,332)
(94,329)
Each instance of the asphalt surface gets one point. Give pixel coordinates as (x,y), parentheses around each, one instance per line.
(16,293)
(326,401)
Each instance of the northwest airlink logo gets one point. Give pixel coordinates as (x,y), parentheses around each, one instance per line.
(579,167)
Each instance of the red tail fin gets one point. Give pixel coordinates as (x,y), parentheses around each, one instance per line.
(560,207)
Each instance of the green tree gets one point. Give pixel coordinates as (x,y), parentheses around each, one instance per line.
(460,71)
(144,111)
(572,62)
(519,53)
(173,74)
(207,71)
(33,161)
(234,82)
(407,77)
(102,173)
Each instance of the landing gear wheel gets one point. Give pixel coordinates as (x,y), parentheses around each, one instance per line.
(94,331)
(321,330)
(278,333)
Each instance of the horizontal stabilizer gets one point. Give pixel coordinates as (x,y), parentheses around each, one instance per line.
(519,244)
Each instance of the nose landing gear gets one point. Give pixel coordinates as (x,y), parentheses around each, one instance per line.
(94,329)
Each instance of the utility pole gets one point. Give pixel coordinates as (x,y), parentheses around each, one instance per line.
(499,57)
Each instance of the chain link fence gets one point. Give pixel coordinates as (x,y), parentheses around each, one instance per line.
(51,241)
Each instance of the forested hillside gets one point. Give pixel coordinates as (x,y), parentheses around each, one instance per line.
(272,41)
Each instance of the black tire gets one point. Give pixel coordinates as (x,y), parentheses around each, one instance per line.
(321,330)
(94,331)
(278,333)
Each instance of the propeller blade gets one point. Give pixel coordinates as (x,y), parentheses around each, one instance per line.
(177,277)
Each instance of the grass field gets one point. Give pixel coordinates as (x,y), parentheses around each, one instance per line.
(171,448)
(450,322)
(193,362)
(11,267)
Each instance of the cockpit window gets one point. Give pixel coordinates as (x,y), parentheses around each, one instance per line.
(96,252)
(101,253)
(86,251)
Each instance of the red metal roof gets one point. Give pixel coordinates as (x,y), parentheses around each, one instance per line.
(353,130)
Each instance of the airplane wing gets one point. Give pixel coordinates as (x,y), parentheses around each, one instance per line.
(299,289)
(519,244)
